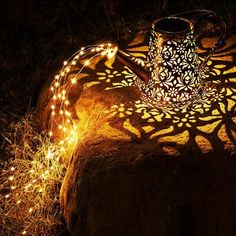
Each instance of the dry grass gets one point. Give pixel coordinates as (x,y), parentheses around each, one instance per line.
(30,182)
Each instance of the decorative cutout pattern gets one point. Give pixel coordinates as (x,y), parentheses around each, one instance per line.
(208,124)
(174,71)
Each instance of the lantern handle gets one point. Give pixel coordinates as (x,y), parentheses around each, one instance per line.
(206,15)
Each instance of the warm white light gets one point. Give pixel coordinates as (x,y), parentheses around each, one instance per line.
(61,95)
(73,81)
(68,113)
(86,63)
(49,155)
(11,178)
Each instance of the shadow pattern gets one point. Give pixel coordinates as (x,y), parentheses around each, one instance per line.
(208,125)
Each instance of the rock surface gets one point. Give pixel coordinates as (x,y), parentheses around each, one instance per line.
(144,172)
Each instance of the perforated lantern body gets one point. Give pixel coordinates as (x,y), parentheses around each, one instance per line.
(173,66)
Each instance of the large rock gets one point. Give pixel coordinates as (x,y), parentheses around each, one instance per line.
(142,171)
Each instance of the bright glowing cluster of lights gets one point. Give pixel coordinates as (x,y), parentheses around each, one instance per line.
(61,116)
(30,183)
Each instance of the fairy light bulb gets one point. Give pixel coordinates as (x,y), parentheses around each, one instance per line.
(73,81)
(103,53)
(68,114)
(65,63)
(11,178)
(49,154)
(86,63)
(13,168)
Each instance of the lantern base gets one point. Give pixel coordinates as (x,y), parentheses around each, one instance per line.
(156,98)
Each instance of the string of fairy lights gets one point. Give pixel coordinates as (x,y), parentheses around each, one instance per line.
(31,176)
(60,87)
